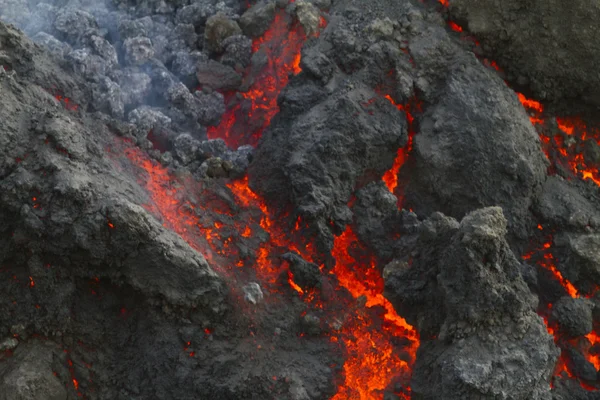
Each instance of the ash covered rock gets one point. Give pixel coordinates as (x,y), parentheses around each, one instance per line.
(218,76)
(581,265)
(218,28)
(476,146)
(464,288)
(523,38)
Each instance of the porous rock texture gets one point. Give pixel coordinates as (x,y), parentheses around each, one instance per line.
(549,46)
(488,343)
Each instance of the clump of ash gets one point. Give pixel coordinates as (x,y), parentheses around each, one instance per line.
(304,200)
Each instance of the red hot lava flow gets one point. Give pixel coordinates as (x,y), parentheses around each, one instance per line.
(246,118)
(371,328)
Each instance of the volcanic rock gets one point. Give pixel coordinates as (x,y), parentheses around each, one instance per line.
(238,51)
(54,45)
(28,374)
(255,21)
(138,50)
(211,107)
(309,16)
(582,263)
(524,38)
(217,29)
(493,159)
(252,293)
(573,316)
(314,159)
(218,76)
(563,205)
(75,26)
(486,313)
(307,275)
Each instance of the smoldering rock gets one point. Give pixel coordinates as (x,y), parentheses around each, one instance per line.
(579,365)
(495,159)
(138,50)
(218,28)
(218,76)
(488,321)
(311,324)
(307,275)
(109,98)
(528,54)
(105,50)
(573,316)
(215,167)
(256,20)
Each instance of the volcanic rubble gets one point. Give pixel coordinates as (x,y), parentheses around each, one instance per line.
(314,199)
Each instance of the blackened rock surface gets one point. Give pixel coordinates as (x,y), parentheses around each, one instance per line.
(313,160)
(573,316)
(523,38)
(487,324)
(476,146)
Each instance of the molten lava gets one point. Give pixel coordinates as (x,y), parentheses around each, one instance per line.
(372,362)
(245,120)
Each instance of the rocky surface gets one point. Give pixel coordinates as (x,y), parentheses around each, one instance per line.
(484,313)
(524,39)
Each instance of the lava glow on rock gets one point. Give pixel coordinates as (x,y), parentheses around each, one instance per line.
(374,361)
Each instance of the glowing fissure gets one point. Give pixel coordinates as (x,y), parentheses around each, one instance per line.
(372,363)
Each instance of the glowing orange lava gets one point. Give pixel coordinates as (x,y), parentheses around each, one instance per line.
(372,362)
(281,43)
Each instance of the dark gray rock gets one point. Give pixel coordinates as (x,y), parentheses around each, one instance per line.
(184,65)
(523,38)
(573,316)
(141,27)
(186,148)
(217,29)
(561,204)
(314,159)
(218,76)
(138,50)
(487,322)
(257,19)
(75,26)
(238,51)
(581,264)
(494,159)
(211,106)
(55,46)
(306,275)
